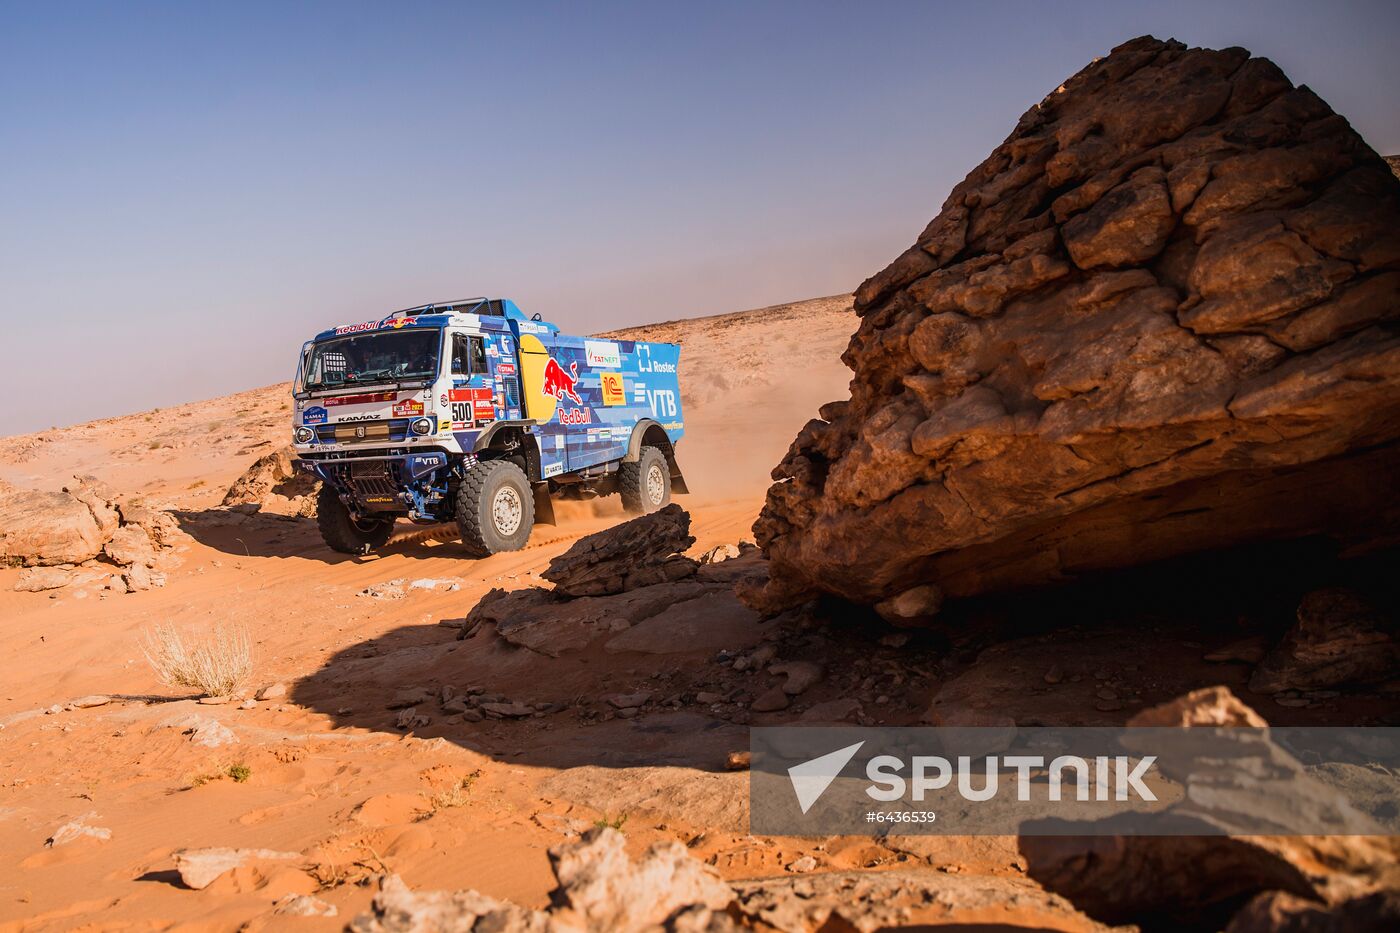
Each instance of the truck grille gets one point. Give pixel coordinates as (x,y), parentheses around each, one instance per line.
(393,430)
(367,480)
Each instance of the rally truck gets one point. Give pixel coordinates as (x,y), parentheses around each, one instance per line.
(470,412)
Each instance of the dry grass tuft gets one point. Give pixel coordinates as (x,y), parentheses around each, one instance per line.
(215,663)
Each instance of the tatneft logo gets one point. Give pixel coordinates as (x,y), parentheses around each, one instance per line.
(1101,778)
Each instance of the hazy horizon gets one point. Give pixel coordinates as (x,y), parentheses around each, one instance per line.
(192,191)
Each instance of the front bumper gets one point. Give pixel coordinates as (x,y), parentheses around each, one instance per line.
(382,483)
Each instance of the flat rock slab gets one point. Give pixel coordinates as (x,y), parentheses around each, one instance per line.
(706,623)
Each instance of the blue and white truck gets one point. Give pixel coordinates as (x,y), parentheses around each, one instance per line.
(471,412)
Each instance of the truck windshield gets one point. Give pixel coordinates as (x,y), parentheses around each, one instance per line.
(365,359)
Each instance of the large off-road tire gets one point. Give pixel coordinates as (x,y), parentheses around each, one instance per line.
(495,508)
(344,533)
(645,485)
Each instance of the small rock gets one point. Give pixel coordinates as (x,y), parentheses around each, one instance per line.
(249,703)
(304,905)
(804,864)
(415,696)
(706,698)
(507,710)
(472,715)
(1108,706)
(629,700)
(455,705)
(771,701)
(1106,693)
(272,692)
(737,761)
(88,702)
(40,579)
(911,607)
(214,701)
(801,676)
(1055,675)
(410,719)
(722,553)
(207,733)
(199,867)
(895,640)
(77,829)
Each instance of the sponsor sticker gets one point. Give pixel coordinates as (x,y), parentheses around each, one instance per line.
(443,400)
(365,399)
(575,416)
(614,389)
(505,369)
(408,408)
(316,415)
(553,469)
(602,353)
(355,328)
(397,322)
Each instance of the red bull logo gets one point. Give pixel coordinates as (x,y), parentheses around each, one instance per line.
(559,383)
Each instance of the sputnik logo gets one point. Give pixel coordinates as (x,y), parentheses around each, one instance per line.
(811,778)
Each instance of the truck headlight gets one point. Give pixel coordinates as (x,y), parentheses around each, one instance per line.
(303,435)
(421,426)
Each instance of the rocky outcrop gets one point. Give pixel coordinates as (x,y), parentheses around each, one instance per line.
(1339,638)
(1160,317)
(1204,854)
(616,584)
(601,889)
(272,484)
(48,528)
(644,551)
(71,537)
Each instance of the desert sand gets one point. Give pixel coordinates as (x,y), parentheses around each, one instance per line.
(353,767)
(330,774)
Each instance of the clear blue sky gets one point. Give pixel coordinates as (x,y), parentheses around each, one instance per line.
(191,189)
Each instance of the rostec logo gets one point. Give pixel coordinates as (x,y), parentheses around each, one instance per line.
(559,383)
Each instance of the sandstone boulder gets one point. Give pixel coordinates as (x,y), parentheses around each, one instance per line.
(1160,317)
(1339,638)
(644,551)
(272,483)
(47,528)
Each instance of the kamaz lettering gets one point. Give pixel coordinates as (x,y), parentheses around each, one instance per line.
(512,414)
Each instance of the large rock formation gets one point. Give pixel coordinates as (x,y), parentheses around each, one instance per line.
(1160,317)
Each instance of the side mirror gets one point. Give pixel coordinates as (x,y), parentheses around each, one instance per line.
(536,317)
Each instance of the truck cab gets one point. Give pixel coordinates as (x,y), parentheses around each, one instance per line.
(470,412)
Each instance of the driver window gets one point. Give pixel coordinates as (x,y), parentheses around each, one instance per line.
(468,355)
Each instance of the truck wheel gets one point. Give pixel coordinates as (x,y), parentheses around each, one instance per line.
(343,532)
(646,484)
(495,508)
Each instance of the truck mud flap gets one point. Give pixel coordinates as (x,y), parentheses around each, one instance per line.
(544,505)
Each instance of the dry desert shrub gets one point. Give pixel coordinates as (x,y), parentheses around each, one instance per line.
(216,662)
